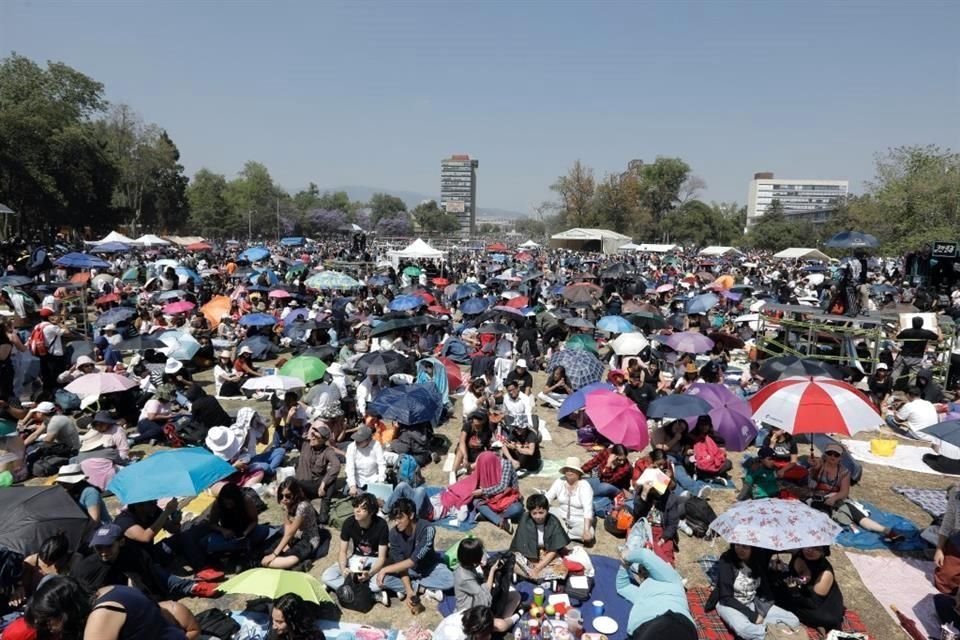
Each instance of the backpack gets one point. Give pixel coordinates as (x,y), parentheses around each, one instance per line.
(708,455)
(48,466)
(37,343)
(67,401)
(408,470)
(354,594)
(217,623)
(699,515)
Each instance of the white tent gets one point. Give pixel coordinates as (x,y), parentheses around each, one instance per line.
(184,241)
(657,248)
(416,250)
(529,244)
(113,236)
(150,240)
(719,251)
(629,247)
(797,253)
(597,240)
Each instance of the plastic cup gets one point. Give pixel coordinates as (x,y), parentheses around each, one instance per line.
(597,608)
(538,596)
(574,620)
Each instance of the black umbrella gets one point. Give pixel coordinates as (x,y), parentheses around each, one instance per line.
(140,343)
(787,366)
(323,352)
(851,239)
(495,328)
(15,280)
(33,514)
(646,320)
(615,271)
(385,363)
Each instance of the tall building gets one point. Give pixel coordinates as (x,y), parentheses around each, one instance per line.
(458,190)
(812,200)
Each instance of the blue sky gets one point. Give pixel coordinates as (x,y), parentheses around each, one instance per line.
(376,93)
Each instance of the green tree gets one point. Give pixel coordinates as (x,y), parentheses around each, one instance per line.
(660,186)
(307,199)
(168,208)
(432,219)
(335,201)
(210,213)
(384,205)
(774,231)
(255,199)
(530,227)
(617,207)
(53,170)
(576,191)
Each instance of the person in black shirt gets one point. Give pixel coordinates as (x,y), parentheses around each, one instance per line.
(522,446)
(206,409)
(929,390)
(880,384)
(364,539)
(911,352)
(640,391)
(521,376)
(527,336)
(475,438)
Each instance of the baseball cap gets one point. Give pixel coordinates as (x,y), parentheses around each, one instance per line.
(521,363)
(881,365)
(245,349)
(45,407)
(833,446)
(46,312)
(84,360)
(106,535)
(320,430)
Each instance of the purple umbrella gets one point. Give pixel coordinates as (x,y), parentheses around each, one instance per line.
(731,414)
(687,342)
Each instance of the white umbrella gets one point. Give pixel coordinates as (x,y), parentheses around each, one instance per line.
(751,319)
(629,344)
(273,383)
(777,525)
(95,384)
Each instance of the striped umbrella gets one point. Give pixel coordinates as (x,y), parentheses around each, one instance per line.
(807,404)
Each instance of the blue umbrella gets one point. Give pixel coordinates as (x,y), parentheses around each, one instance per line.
(15,281)
(257,320)
(111,247)
(466,290)
(615,324)
(189,273)
(851,239)
(702,303)
(474,306)
(576,400)
(115,316)
(169,474)
(678,406)
(254,254)
(405,303)
(81,261)
(180,345)
(272,278)
(378,280)
(409,404)
(948,431)
(293,241)
(581,367)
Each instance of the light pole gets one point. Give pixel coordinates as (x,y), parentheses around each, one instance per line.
(249,225)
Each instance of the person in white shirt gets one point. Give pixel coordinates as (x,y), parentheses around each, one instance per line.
(571,500)
(366,390)
(365,461)
(915,414)
(518,406)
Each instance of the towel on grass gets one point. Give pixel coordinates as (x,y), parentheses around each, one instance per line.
(868,540)
(933,501)
(711,627)
(906,457)
(911,588)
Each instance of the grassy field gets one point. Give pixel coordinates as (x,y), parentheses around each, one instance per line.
(874,488)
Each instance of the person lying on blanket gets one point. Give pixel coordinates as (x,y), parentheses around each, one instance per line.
(829,484)
(658,601)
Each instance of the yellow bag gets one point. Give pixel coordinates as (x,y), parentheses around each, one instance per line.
(883,447)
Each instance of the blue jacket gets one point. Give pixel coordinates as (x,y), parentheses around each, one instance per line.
(660,592)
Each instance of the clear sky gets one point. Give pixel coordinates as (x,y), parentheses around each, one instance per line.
(376,93)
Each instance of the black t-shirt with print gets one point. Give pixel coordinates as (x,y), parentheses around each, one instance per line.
(366,542)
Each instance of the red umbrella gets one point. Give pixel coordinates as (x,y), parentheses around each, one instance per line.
(440,282)
(523,256)
(107,299)
(808,404)
(454,376)
(279,293)
(426,295)
(517,303)
(440,310)
(198,246)
(497,247)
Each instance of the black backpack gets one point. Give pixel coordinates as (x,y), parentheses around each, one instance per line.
(699,515)
(354,594)
(217,623)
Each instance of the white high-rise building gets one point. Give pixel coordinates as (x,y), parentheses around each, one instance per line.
(458,190)
(806,199)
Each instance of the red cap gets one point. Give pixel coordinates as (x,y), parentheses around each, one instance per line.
(46,312)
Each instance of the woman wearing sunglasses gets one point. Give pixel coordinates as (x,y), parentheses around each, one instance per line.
(829,483)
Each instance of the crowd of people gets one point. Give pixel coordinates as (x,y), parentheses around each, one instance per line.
(396,365)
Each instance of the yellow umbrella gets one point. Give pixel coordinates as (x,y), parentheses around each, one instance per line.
(214,310)
(273,583)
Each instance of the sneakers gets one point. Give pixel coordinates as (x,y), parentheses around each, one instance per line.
(505,525)
(383,598)
(687,529)
(434,594)
(705,492)
(210,575)
(204,590)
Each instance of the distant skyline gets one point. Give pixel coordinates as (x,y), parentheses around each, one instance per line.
(377,93)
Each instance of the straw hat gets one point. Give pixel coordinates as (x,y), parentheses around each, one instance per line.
(572,463)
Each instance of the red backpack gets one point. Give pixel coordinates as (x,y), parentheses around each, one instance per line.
(37,342)
(708,455)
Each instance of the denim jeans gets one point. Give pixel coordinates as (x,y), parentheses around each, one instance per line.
(417,495)
(684,479)
(333,579)
(437,577)
(268,462)
(603,495)
(746,629)
(510,513)
(177,587)
(217,544)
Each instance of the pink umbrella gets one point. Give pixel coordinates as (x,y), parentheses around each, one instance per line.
(664,288)
(183,306)
(95,384)
(279,293)
(618,419)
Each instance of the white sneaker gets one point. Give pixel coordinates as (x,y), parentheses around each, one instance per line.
(705,492)
(686,528)
(434,594)
(462,513)
(383,598)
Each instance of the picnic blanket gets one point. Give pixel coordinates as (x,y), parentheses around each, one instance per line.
(868,540)
(906,456)
(711,627)
(911,591)
(604,589)
(451,522)
(933,501)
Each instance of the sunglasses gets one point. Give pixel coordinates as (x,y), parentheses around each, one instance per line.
(286,496)
(832,454)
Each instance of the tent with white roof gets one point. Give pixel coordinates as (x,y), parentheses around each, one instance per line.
(719,251)
(416,250)
(529,244)
(113,236)
(798,253)
(150,240)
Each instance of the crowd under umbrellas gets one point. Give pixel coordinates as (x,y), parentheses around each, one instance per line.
(419,333)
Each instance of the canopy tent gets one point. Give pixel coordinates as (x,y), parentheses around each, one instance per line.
(597,240)
(529,244)
(150,240)
(113,236)
(796,253)
(719,251)
(416,250)
(629,247)
(183,241)
(650,248)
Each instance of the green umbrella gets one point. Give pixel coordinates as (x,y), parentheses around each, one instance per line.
(273,583)
(412,271)
(306,368)
(582,342)
(131,275)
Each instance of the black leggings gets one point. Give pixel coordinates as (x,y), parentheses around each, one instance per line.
(671,624)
